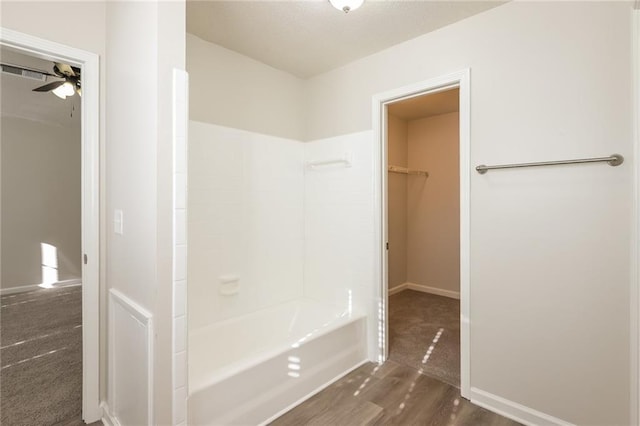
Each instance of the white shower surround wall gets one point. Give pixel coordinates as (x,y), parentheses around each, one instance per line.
(245,221)
(286,232)
(340,237)
(291,235)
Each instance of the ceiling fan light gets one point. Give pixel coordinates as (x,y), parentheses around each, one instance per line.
(64,90)
(346,5)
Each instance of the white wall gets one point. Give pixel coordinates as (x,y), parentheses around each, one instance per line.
(397,200)
(245,220)
(19,16)
(235,91)
(171,47)
(433,212)
(144,42)
(131,150)
(549,247)
(40,199)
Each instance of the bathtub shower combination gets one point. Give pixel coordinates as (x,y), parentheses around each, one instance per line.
(271,360)
(281,295)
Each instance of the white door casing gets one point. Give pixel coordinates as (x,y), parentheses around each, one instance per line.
(462,80)
(90,201)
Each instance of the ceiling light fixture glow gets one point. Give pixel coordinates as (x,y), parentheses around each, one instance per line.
(64,90)
(346,5)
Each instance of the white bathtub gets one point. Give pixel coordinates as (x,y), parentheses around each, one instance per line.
(251,369)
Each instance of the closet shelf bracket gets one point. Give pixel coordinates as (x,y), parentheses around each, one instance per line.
(406,171)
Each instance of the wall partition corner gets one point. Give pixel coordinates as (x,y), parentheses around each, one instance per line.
(634,261)
(179,293)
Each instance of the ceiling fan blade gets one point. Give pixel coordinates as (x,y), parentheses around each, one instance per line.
(58,72)
(49,86)
(65,69)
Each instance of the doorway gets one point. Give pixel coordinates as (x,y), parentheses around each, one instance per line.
(393,283)
(423,223)
(54,267)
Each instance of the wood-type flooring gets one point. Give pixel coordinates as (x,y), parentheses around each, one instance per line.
(418,385)
(390,394)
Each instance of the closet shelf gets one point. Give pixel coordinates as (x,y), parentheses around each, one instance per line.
(405,171)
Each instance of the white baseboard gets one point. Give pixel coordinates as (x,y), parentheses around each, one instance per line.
(434,290)
(513,410)
(31,287)
(424,289)
(398,288)
(107,418)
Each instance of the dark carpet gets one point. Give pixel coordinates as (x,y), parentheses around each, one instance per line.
(41,357)
(424,333)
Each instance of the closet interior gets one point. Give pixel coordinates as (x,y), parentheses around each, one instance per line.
(423,204)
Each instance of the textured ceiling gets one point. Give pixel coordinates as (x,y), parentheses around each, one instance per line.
(18,100)
(309,37)
(426,105)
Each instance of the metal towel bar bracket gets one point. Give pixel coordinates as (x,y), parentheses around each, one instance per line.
(613,160)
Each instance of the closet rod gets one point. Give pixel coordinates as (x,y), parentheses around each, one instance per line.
(613,160)
(404,170)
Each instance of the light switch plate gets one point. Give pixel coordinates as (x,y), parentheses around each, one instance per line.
(117,222)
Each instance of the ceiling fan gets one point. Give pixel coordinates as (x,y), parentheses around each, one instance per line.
(63,88)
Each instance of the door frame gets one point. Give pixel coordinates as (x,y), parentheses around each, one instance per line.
(90,201)
(461,80)
(635,225)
